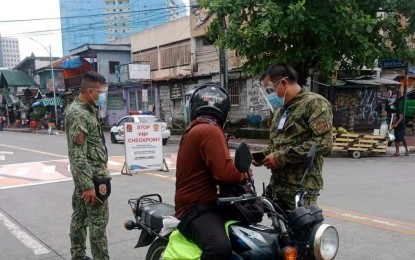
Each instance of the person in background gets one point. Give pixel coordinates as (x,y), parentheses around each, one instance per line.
(399,128)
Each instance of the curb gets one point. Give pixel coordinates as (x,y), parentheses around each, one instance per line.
(29,131)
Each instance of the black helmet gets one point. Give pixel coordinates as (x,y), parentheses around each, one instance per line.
(212,99)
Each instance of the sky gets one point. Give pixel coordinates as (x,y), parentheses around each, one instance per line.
(46,33)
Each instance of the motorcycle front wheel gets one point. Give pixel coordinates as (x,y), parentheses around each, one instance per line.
(156,249)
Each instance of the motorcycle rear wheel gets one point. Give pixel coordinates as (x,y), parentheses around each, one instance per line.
(156,249)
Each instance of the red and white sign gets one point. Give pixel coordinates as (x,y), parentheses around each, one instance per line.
(143,146)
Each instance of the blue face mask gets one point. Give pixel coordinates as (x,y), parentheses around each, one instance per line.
(101,100)
(102,97)
(275,100)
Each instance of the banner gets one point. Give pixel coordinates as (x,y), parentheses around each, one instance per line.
(143,146)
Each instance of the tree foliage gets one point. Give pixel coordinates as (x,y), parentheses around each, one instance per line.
(324,35)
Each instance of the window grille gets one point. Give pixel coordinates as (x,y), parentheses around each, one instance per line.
(234,87)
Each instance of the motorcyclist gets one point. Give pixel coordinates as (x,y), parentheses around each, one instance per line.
(203,160)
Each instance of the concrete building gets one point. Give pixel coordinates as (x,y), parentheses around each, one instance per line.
(104,59)
(181,58)
(9,52)
(103,21)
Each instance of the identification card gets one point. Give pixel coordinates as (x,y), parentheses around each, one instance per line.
(282,122)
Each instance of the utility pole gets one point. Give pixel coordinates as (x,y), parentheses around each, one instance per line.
(223,60)
(52,77)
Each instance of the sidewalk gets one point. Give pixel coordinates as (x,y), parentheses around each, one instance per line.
(254,144)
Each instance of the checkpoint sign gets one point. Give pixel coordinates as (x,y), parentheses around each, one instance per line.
(143,146)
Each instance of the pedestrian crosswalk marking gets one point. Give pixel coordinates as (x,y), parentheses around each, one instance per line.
(2,158)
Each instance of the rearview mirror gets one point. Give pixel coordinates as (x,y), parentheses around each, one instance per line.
(243,157)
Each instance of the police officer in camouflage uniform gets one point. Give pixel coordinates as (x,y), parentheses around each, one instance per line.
(88,157)
(301,118)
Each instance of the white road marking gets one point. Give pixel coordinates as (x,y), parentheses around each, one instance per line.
(48,169)
(46,182)
(3,152)
(25,238)
(2,157)
(32,150)
(114,163)
(22,171)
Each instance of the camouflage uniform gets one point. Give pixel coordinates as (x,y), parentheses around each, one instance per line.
(87,156)
(308,119)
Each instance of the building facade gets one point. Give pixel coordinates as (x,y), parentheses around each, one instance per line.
(182,58)
(9,52)
(103,21)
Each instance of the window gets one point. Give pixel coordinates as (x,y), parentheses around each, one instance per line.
(233,91)
(112,65)
(115,101)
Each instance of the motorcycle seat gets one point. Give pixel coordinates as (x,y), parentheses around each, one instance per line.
(152,214)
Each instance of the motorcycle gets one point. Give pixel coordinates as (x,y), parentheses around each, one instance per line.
(61,122)
(298,234)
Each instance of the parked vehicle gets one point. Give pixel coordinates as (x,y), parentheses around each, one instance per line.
(117,131)
(299,234)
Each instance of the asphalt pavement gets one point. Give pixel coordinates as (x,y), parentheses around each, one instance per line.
(369,201)
(259,144)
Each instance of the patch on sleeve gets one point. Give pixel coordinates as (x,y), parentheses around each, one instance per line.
(80,138)
(320,126)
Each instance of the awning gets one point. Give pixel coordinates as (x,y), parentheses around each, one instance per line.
(10,100)
(73,63)
(374,81)
(48,102)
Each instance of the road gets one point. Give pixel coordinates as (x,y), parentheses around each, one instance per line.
(369,200)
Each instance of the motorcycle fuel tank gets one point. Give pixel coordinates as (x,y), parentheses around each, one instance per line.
(254,242)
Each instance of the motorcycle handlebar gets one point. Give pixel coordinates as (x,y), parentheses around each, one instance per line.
(233,200)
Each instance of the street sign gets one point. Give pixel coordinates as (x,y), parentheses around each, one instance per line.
(143,146)
(145,95)
(391,63)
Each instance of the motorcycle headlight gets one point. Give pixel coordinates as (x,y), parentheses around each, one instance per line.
(326,242)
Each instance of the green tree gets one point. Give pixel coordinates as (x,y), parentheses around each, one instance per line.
(324,35)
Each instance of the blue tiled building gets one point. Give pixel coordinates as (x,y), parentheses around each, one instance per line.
(102,21)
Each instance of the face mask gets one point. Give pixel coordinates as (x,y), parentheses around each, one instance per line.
(101,100)
(275,100)
(102,97)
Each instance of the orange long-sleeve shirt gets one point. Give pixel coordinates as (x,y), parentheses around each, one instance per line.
(203,160)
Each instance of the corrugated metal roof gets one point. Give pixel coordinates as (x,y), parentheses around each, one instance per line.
(373,81)
(17,78)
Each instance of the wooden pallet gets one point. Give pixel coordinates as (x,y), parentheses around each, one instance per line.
(357,143)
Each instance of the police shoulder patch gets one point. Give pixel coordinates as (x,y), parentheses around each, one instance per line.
(320,126)
(80,138)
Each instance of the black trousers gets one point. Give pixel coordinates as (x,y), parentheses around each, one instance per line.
(204,225)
